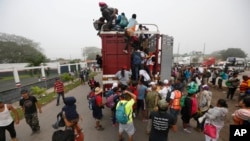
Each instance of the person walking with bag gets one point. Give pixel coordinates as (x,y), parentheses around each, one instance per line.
(7,122)
(214,120)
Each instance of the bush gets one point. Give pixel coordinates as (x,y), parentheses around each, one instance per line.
(65,77)
(35,90)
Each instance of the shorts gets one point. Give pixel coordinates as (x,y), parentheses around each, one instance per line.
(97,113)
(129,128)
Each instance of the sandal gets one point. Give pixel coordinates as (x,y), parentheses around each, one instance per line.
(100,128)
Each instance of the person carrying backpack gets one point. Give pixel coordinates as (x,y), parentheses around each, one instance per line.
(204,102)
(97,110)
(188,108)
(122,20)
(235,82)
(124,110)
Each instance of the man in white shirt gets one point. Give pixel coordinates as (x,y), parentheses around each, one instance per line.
(164,88)
(144,77)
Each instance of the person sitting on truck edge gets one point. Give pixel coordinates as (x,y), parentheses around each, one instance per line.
(129,30)
(143,37)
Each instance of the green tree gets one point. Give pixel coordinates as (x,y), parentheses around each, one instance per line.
(17,49)
(232,52)
(90,52)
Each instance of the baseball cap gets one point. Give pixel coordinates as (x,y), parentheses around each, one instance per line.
(24,91)
(162,104)
(165,81)
(152,83)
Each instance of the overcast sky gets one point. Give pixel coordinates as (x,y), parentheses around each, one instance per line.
(64,27)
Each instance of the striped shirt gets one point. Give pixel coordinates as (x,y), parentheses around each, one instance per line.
(58,86)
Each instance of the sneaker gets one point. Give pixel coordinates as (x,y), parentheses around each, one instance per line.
(187,131)
(200,119)
(134,115)
(125,51)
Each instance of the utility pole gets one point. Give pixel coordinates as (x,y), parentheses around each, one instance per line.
(178,52)
(204,51)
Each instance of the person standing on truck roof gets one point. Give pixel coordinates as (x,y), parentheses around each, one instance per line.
(123,76)
(129,30)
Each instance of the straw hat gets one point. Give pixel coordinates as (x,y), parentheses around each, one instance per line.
(98,90)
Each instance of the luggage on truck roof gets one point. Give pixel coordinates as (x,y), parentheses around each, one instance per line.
(150,31)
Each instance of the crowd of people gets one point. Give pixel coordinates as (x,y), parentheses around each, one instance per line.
(158,103)
(186,93)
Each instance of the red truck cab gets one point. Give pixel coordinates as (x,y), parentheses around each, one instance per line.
(209,62)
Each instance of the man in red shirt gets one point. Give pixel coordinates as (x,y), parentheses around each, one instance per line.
(59,89)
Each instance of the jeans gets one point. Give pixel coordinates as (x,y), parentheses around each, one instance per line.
(135,71)
(60,94)
(174,113)
(11,130)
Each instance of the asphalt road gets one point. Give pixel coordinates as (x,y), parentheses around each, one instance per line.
(48,117)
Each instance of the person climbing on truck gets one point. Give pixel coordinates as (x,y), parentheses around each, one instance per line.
(129,30)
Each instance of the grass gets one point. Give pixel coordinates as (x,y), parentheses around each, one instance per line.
(12,78)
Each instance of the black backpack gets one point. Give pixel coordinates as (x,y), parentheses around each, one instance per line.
(60,135)
(168,95)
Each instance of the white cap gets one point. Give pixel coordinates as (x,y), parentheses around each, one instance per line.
(115,84)
(152,83)
(165,81)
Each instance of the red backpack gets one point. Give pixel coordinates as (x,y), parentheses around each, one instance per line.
(194,105)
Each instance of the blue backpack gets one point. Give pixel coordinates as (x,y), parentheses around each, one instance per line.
(120,113)
(224,76)
(124,21)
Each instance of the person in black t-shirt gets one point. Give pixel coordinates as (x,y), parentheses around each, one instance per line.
(29,105)
(160,122)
